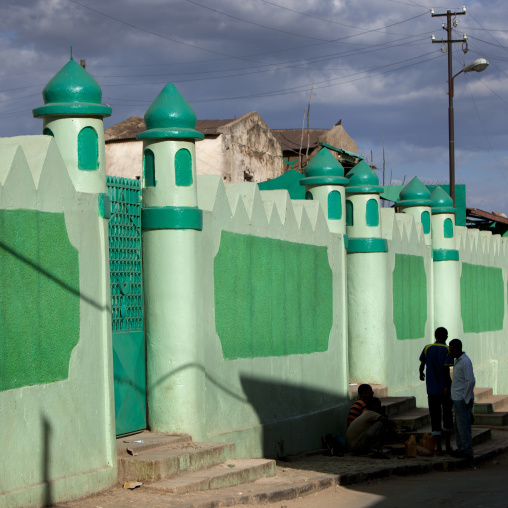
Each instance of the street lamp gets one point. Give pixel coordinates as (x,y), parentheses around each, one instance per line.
(478,65)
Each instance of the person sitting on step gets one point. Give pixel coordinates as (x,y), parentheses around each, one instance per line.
(370,430)
(365,393)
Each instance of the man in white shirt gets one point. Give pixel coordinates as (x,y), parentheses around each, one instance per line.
(463,383)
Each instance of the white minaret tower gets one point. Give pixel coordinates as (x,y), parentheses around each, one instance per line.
(73,115)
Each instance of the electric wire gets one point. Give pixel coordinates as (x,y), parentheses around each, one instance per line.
(485,133)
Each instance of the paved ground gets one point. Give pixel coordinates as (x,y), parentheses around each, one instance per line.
(308,475)
(484,487)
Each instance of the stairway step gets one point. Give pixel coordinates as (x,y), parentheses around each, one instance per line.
(149,441)
(413,419)
(480,435)
(491,404)
(496,419)
(482,393)
(397,405)
(161,463)
(232,472)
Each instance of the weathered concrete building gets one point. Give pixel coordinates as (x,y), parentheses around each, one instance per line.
(242,149)
(299,146)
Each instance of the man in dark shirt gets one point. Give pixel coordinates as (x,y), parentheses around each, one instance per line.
(365,393)
(436,360)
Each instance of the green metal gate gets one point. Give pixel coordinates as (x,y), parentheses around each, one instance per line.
(127,304)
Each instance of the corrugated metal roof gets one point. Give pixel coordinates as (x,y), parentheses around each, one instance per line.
(130,128)
(291,139)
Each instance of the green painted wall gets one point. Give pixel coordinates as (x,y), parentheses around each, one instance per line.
(40,274)
(272,298)
(481,298)
(56,381)
(409,296)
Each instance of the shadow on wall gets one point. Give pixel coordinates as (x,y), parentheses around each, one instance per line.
(60,282)
(294,417)
(45,474)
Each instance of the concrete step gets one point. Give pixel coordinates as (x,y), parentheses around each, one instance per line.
(480,435)
(412,419)
(230,473)
(148,441)
(397,405)
(155,464)
(496,419)
(482,393)
(491,404)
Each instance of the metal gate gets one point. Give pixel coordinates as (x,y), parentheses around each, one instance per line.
(127,304)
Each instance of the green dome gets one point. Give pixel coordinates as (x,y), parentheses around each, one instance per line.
(170,116)
(441,201)
(363,180)
(324,168)
(414,194)
(72,92)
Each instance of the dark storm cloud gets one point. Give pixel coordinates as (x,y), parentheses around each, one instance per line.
(371,63)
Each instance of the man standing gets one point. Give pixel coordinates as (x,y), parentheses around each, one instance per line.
(463,398)
(436,358)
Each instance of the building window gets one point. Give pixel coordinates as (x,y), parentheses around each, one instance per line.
(183,168)
(308,195)
(47,132)
(349,213)
(372,213)
(425,217)
(88,149)
(149,168)
(334,205)
(448,228)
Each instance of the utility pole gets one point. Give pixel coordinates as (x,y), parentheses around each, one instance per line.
(451,128)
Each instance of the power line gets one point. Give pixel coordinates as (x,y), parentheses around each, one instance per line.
(306,87)
(255,24)
(245,57)
(484,132)
(301,62)
(324,19)
(153,33)
(298,64)
(291,88)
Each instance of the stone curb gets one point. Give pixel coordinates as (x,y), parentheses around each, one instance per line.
(305,487)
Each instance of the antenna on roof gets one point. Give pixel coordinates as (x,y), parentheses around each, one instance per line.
(71,51)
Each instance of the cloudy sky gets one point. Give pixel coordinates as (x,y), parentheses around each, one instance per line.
(370,63)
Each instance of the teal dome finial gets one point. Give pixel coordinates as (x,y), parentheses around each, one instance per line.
(324,168)
(72,91)
(441,201)
(414,194)
(170,116)
(363,180)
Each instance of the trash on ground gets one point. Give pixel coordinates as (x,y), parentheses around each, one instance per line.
(132,485)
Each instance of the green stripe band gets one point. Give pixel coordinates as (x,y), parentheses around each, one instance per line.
(172,217)
(445,255)
(72,109)
(324,180)
(357,245)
